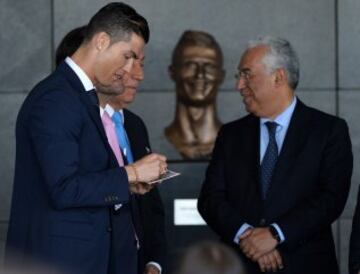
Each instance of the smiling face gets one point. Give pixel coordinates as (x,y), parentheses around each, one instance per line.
(256,85)
(114,61)
(197,74)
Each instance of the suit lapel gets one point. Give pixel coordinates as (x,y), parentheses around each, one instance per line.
(134,133)
(94,112)
(295,139)
(91,105)
(247,152)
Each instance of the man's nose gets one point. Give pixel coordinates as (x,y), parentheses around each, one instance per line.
(240,83)
(129,65)
(138,71)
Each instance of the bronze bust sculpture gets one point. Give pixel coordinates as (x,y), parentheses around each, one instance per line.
(197,71)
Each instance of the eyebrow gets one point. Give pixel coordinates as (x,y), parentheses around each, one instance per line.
(244,69)
(134,55)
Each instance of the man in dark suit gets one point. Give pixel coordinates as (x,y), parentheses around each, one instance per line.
(151,210)
(354,253)
(151,225)
(67,179)
(279,176)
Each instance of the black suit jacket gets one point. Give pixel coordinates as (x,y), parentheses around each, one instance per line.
(151,224)
(66,180)
(308,191)
(354,254)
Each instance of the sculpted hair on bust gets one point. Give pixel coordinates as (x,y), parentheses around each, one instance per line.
(280,55)
(119,21)
(196,38)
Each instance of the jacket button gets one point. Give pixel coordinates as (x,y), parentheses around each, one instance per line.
(109,229)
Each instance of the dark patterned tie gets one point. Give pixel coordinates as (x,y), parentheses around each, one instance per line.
(269,160)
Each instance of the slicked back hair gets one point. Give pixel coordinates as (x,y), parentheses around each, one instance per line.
(119,21)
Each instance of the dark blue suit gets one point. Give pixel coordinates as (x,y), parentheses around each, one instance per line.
(150,225)
(307,193)
(66,182)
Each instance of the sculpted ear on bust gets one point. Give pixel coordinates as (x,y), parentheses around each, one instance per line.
(171,71)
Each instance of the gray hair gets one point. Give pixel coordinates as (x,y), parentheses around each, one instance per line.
(280,55)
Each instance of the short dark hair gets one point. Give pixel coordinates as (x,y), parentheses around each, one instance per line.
(69,44)
(119,21)
(196,38)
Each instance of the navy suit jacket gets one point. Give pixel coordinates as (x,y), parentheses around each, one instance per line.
(66,180)
(308,191)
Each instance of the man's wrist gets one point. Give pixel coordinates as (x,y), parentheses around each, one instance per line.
(241,231)
(274,233)
(131,173)
(155,265)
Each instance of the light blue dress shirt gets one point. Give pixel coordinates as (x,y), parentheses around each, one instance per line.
(283,121)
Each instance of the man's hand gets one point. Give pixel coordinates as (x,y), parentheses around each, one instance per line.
(271,261)
(257,242)
(151,269)
(147,168)
(140,188)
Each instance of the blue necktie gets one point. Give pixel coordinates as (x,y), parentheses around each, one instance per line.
(269,160)
(122,137)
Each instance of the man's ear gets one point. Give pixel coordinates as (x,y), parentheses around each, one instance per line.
(101,41)
(281,77)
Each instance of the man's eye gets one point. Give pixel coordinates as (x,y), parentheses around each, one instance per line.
(128,56)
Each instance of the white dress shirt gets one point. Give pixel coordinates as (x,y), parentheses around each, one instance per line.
(283,121)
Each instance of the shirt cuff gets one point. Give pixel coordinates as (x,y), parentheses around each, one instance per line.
(240,232)
(156,265)
(279,231)
(117,207)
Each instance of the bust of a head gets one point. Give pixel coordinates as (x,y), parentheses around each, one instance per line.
(197,70)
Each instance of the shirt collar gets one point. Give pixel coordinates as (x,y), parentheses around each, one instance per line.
(110,110)
(283,119)
(101,111)
(85,80)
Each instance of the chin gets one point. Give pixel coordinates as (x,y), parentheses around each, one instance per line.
(129,100)
(250,109)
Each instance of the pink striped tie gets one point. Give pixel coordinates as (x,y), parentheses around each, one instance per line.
(112,138)
(114,144)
